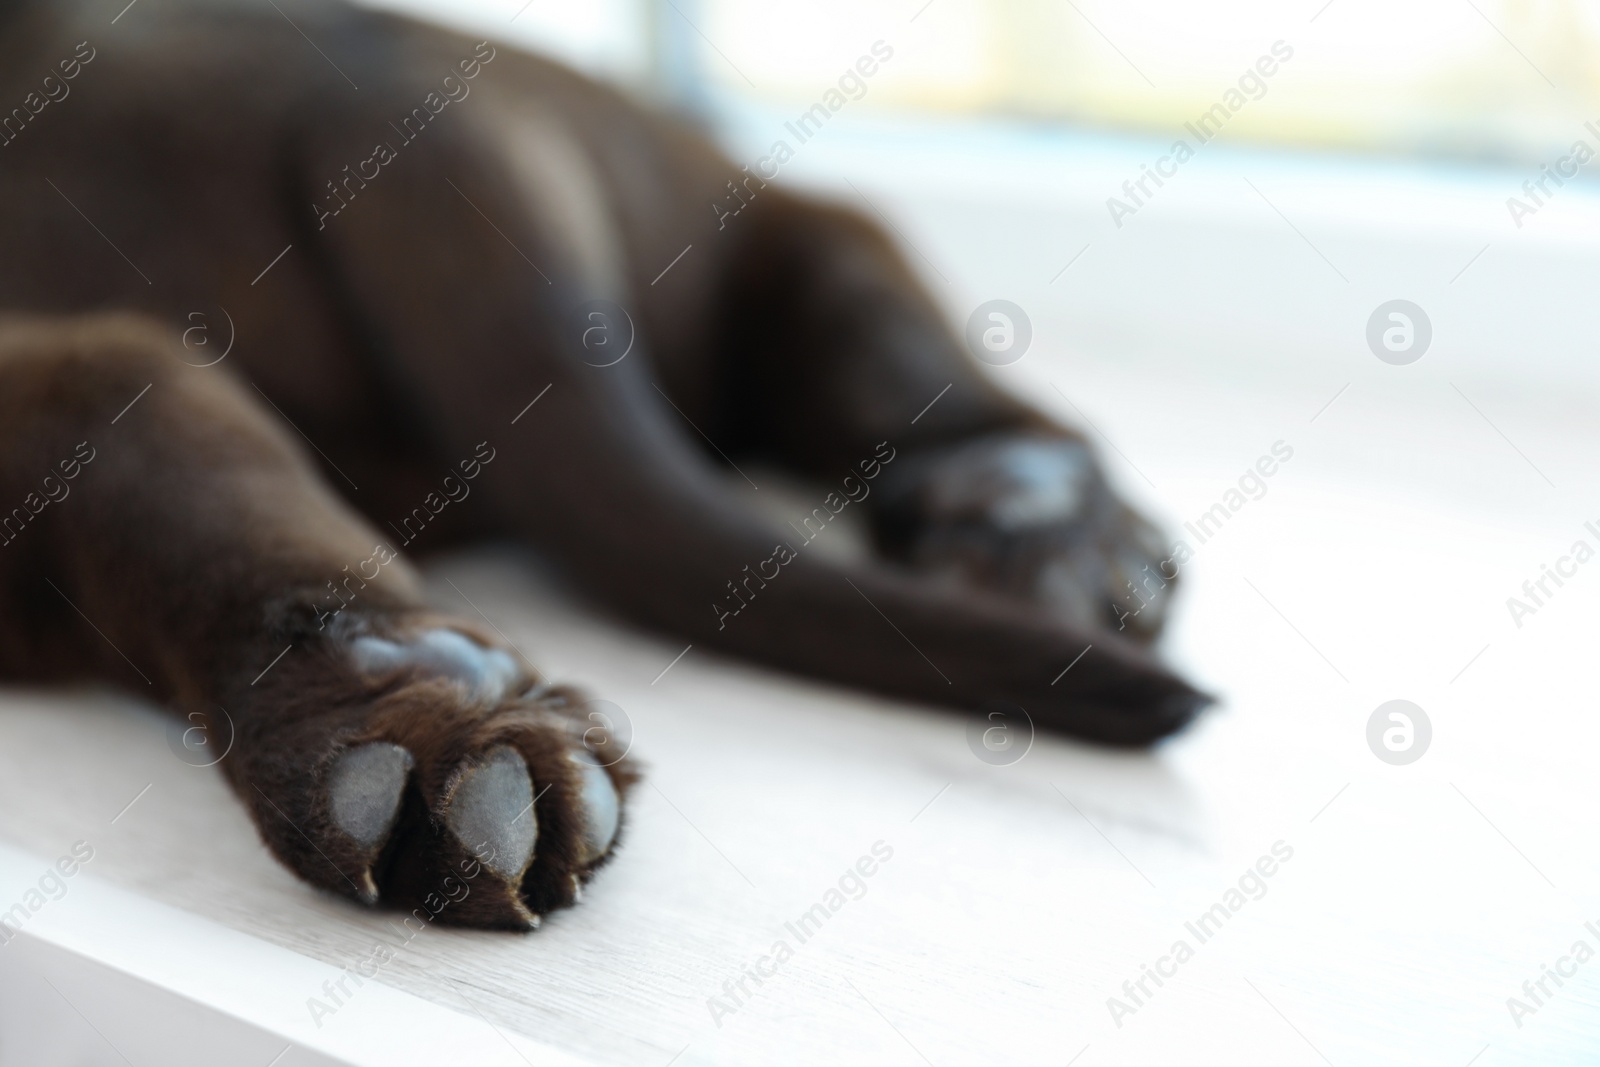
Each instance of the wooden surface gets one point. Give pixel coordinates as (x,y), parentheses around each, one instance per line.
(1020,898)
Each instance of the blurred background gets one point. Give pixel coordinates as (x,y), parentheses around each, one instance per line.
(1374,159)
(1496,81)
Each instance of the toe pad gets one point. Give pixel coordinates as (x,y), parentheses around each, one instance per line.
(491,813)
(602,810)
(365,788)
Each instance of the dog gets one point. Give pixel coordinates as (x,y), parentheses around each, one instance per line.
(292,290)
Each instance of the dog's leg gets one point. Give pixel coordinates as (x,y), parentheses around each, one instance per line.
(836,346)
(162,532)
(475,298)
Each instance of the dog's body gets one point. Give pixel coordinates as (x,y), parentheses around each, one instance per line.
(402,239)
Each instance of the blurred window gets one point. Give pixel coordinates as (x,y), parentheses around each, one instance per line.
(1459,78)
(607,38)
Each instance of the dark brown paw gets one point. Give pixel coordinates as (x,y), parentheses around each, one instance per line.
(422,765)
(1029,517)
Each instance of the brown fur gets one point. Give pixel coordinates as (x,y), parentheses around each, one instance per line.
(399,334)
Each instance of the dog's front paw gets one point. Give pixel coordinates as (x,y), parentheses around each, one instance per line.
(422,765)
(1031,517)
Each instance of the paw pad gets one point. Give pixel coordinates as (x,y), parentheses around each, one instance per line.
(448,780)
(365,788)
(491,813)
(488,674)
(601,807)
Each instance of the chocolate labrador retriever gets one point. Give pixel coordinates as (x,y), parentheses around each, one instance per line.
(289,287)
